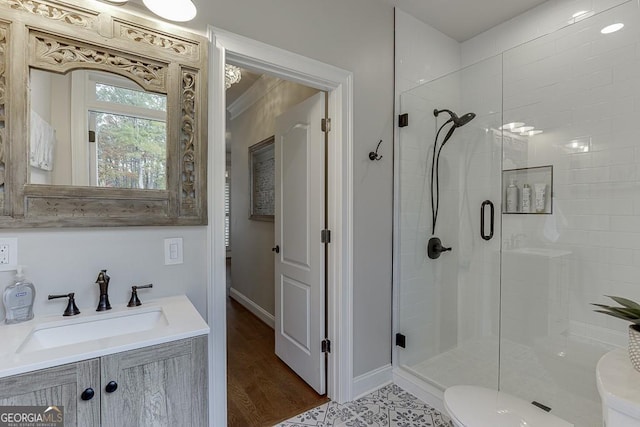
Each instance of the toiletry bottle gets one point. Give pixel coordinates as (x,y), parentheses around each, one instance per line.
(541,196)
(526,199)
(18,299)
(512,196)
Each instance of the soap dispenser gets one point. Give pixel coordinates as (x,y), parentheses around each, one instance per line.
(18,299)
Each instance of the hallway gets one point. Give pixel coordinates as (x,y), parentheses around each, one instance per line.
(261,389)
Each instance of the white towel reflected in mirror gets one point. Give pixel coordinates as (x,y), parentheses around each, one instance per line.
(43,138)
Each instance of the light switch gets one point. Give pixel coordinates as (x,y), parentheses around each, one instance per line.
(173,251)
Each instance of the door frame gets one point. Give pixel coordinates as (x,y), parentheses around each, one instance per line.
(338,83)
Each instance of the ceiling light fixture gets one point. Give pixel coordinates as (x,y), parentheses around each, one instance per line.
(232,75)
(612,28)
(173,10)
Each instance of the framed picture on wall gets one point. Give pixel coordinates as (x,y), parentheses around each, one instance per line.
(262,174)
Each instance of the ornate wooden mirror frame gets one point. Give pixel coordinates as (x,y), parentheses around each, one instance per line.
(62,36)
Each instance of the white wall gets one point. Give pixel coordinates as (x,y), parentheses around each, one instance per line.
(61,261)
(252,264)
(422,52)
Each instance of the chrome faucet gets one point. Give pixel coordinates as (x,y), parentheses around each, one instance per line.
(103,282)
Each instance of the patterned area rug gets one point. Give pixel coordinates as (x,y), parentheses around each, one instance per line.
(389,406)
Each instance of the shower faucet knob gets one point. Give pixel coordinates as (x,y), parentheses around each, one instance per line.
(435,248)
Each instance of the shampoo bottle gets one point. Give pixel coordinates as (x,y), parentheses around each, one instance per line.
(512,196)
(18,299)
(526,198)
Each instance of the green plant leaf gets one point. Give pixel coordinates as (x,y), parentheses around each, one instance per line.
(625,302)
(629,312)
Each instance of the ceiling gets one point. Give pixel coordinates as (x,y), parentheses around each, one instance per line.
(464,19)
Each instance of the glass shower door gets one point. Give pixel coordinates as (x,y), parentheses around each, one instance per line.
(580,87)
(448,308)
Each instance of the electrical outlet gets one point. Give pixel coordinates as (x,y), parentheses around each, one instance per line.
(8,253)
(4,253)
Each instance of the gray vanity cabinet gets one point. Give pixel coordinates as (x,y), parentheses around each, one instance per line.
(163,385)
(160,385)
(58,386)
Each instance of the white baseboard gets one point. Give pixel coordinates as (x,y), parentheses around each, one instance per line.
(254,308)
(419,388)
(371,381)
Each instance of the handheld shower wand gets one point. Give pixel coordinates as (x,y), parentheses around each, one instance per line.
(436,248)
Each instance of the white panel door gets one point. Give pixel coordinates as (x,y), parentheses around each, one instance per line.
(299,219)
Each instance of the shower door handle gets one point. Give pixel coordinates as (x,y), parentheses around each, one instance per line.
(482,220)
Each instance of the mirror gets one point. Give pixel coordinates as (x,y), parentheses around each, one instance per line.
(106,118)
(91,128)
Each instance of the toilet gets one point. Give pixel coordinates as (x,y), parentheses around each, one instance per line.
(617,382)
(473,406)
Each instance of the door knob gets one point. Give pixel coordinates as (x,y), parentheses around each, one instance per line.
(111,387)
(87,394)
(276,249)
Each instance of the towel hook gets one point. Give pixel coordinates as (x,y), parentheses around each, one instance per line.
(374,155)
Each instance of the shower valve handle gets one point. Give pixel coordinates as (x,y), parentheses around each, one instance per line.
(435,248)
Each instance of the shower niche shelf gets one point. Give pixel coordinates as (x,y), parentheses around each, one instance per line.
(536,177)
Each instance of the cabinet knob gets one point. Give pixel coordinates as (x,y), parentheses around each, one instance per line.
(87,394)
(111,387)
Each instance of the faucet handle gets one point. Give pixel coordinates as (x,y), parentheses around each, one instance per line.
(103,277)
(135,301)
(72,308)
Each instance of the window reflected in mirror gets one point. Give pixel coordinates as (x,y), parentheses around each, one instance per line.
(92,128)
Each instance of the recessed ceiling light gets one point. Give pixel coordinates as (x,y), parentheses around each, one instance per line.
(511,126)
(612,28)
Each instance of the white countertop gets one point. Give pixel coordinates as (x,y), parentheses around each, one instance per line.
(619,383)
(180,320)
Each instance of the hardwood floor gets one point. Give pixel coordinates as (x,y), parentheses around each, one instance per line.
(261,389)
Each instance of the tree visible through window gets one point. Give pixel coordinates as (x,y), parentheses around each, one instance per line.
(130,147)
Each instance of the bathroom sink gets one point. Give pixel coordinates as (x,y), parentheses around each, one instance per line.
(95,327)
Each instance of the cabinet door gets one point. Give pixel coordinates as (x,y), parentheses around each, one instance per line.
(59,386)
(162,385)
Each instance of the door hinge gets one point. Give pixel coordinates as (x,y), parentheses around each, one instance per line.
(325,236)
(403,120)
(401,340)
(325,125)
(92,136)
(326,346)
